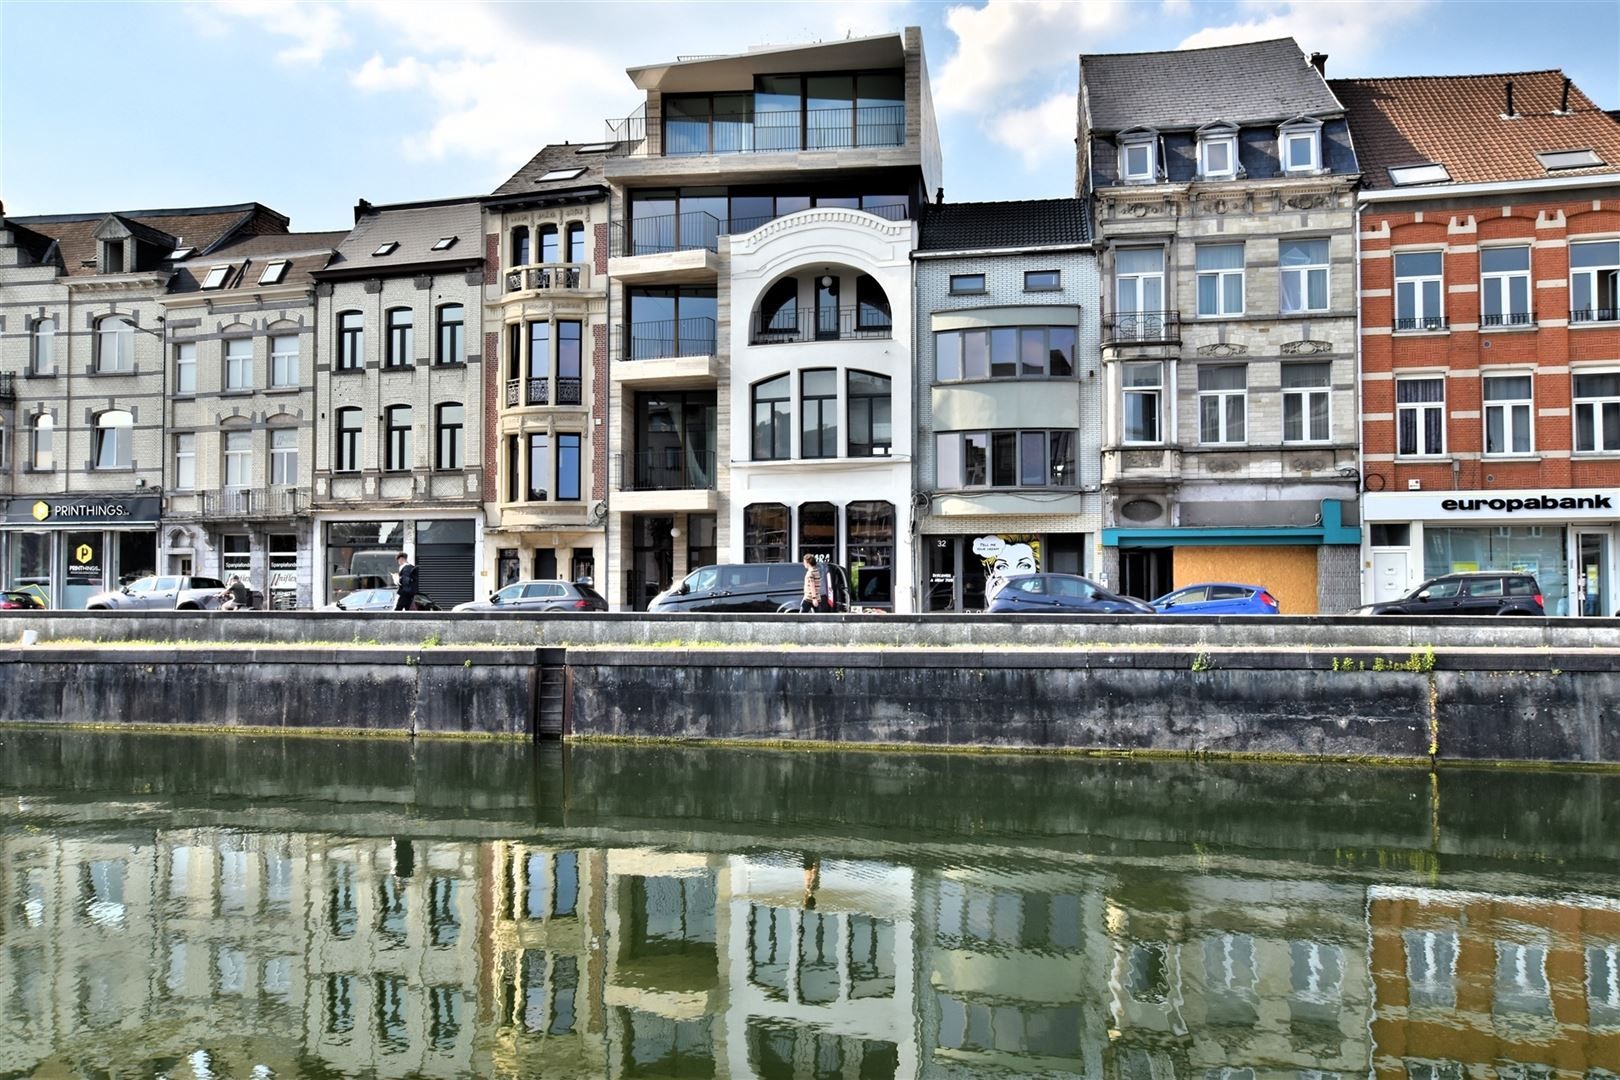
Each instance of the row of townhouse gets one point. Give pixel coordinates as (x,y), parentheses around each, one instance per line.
(1280,325)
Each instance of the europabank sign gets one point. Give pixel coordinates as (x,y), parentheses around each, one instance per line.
(1571,504)
(49,510)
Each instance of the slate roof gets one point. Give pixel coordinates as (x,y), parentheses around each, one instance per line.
(1456,121)
(1024,223)
(1253,83)
(415,227)
(199,227)
(564,156)
(305,252)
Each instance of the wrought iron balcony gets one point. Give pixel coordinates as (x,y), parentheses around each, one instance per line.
(239,504)
(672,469)
(1511,318)
(547,277)
(665,339)
(1422,322)
(569,390)
(538,392)
(787,131)
(829,324)
(1594,315)
(1141,327)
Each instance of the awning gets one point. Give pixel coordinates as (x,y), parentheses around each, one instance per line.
(1329,529)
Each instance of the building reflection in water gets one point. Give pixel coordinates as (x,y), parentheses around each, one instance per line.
(209,951)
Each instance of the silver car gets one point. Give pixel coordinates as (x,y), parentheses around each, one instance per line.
(166,592)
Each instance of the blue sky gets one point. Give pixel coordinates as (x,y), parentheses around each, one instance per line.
(308,105)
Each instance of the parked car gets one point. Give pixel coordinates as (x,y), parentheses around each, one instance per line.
(764,588)
(158,592)
(539,596)
(1061,594)
(379,600)
(1218,598)
(17,600)
(1482,592)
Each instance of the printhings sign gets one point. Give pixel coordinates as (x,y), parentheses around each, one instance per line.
(1578,504)
(79,510)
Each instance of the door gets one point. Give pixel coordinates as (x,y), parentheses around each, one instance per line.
(545,565)
(1389,575)
(652,560)
(1592,575)
(1146,573)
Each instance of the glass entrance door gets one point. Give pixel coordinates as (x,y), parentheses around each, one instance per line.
(1592,574)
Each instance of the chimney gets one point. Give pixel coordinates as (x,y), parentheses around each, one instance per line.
(1510,114)
(1319,62)
(939,197)
(1563,104)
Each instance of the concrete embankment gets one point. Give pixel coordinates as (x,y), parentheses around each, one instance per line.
(1395,690)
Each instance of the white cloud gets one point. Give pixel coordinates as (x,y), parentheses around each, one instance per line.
(1350,30)
(377,74)
(1175,9)
(1040,132)
(1006,43)
(316,28)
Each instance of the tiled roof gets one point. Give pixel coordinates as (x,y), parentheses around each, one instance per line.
(1457,121)
(1258,82)
(1026,223)
(414,228)
(564,158)
(196,227)
(248,256)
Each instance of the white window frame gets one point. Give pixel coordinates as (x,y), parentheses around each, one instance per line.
(1221,399)
(1420,408)
(1221,278)
(283,459)
(1149,144)
(238,458)
(185,367)
(1508,407)
(273,272)
(1304,272)
(115,344)
(185,461)
(42,442)
(42,347)
(1593,408)
(238,363)
(1503,281)
(1592,274)
(284,360)
(215,278)
(1155,391)
(121,436)
(1229,143)
(1313,137)
(1301,398)
(1149,324)
(1423,320)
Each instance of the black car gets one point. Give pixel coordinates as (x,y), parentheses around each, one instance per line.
(1061,594)
(1483,592)
(539,596)
(379,600)
(763,588)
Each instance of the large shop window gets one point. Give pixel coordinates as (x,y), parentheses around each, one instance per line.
(869,551)
(1527,549)
(818,530)
(765,533)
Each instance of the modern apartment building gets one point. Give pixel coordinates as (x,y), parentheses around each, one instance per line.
(546,327)
(399,398)
(1008,397)
(759,402)
(1222,187)
(85,362)
(1490,332)
(239,413)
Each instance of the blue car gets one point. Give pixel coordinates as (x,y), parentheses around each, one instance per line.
(1218,598)
(1061,594)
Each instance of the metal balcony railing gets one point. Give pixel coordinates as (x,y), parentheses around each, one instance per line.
(547,277)
(671,469)
(1591,315)
(527,392)
(1510,318)
(267,502)
(827,324)
(779,132)
(1422,322)
(665,339)
(569,390)
(1145,327)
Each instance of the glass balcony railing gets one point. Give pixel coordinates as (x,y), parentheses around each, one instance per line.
(782,131)
(697,230)
(671,469)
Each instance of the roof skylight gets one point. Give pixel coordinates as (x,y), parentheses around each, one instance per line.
(386,249)
(216,277)
(1426,173)
(561,174)
(595,148)
(444,243)
(1552,160)
(181,253)
(274,271)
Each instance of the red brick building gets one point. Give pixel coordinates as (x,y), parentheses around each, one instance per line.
(1489,253)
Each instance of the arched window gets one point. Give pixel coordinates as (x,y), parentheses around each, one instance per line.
(871,430)
(576,241)
(773,415)
(818,405)
(452,335)
(397,438)
(115,344)
(449,438)
(346,457)
(869,551)
(42,357)
(520,246)
(872,315)
(351,341)
(765,533)
(41,436)
(400,343)
(779,311)
(548,244)
(112,439)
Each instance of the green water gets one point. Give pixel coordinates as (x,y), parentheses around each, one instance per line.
(208,906)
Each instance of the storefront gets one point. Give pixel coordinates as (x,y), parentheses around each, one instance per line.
(960,572)
(1566,538)
(67,548)
(360,554)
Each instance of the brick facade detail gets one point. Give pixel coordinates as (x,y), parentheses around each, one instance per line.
(492,258)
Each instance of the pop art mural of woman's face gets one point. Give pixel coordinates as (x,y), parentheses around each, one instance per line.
(1004,558)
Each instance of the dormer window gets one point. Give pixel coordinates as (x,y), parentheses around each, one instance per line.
(1300,151)
(385,249)
(112,256)
(1217,152)
(274,271)
(216,277)
(1136,159)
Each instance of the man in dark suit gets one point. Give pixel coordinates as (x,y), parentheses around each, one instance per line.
(405,596)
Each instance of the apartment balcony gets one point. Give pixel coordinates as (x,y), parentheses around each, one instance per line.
(674,480)
(841,324)
(667,248)
(1582,316)
(1124,329)
(666,354)
(544,278)
(1421,324)
(1507,320)
(521,393)
(239,504)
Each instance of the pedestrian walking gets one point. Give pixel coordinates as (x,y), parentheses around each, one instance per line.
(812,587)
(405,595)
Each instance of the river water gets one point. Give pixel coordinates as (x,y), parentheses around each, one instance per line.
(210,906)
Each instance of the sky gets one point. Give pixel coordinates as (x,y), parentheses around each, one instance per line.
(309,105)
